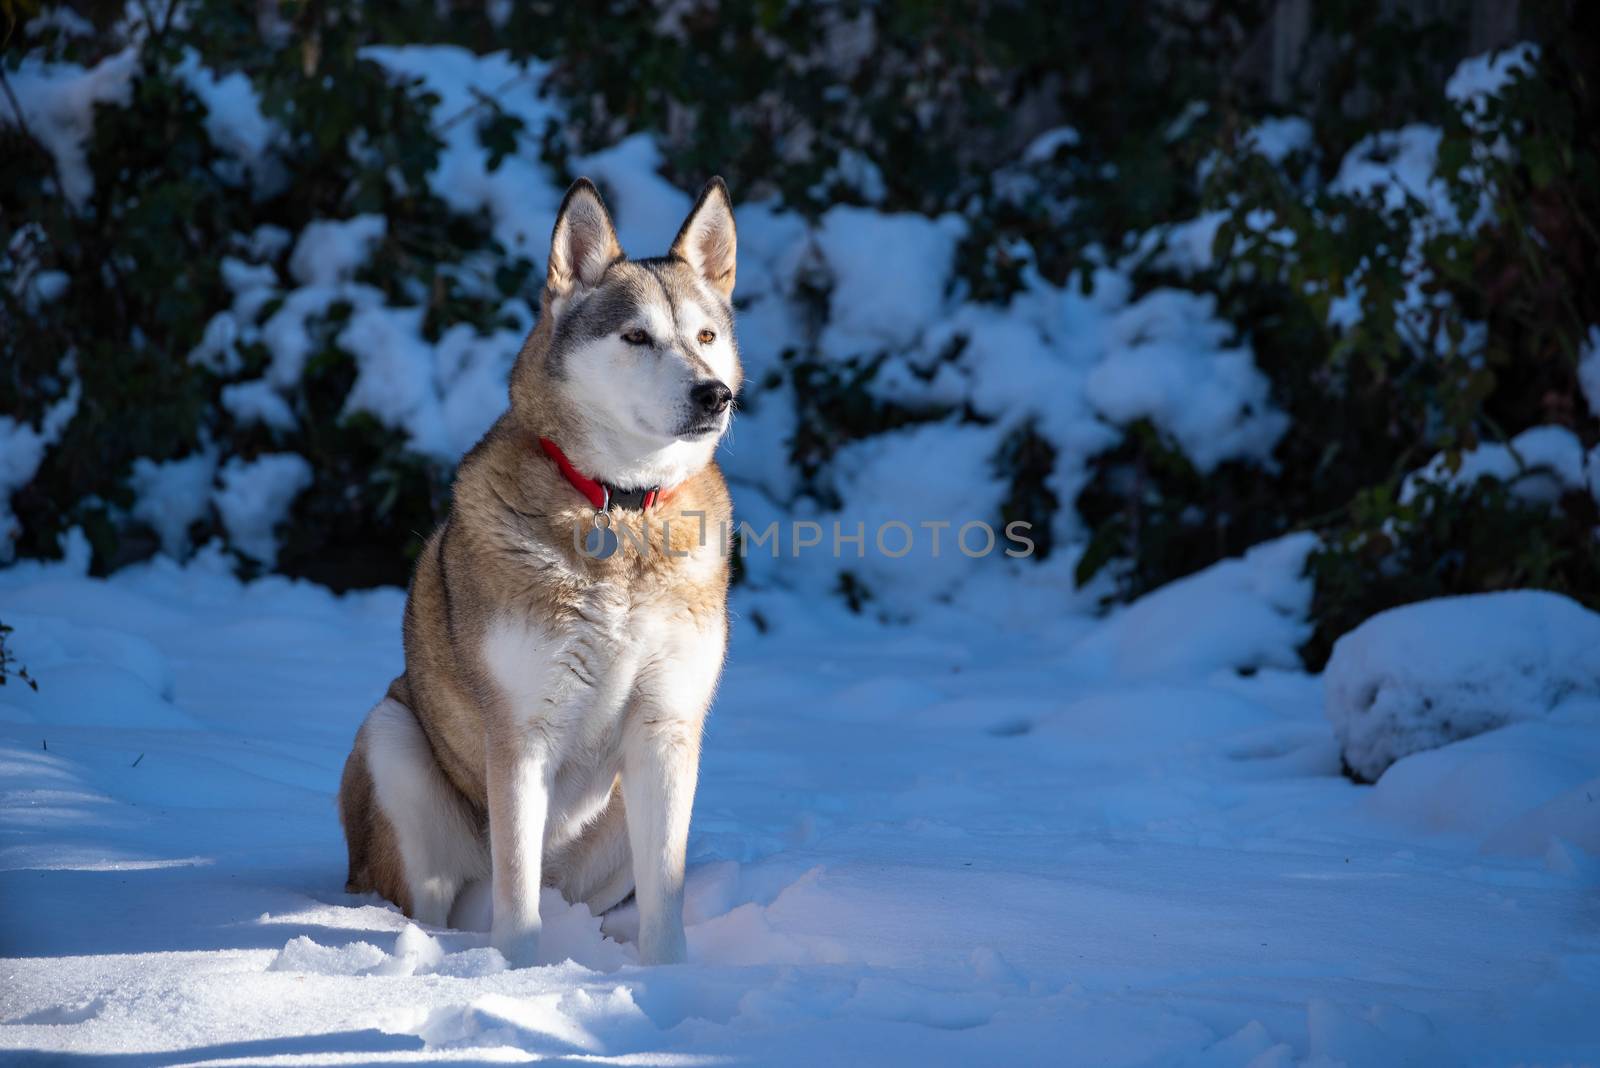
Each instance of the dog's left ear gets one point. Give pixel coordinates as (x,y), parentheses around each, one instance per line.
(584,242)
(707,241)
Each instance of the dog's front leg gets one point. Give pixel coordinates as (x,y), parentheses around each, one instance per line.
(520,774)
(661,764)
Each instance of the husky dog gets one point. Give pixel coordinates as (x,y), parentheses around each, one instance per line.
(567,623)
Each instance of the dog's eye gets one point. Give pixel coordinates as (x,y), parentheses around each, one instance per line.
(636,337)
(707,337)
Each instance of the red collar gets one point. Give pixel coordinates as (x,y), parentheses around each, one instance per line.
(600,494)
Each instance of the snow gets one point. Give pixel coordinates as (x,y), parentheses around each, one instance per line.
(36,285)
(1072,367)
(1265,597)
(646,208)
(1422,675)
(22,450)
(173,495)
(255,496)
(470,374)
(1527,790)
(857,173)
(62,19)
(1171,363)
(1275,139)
(951,844)
(1396,169)
(1186,247)
(1075,368)
(256,401)
(1477,79)
(1395,165)
(442,394)
(1589,370)
(1016,832)
(1539,465)
(395,376)
(332,250)
(286,332)
(1044,147)
(57,101)
(1278,138)
(889,273)
(251,283)
(235,125)
(936,474)
(520,195)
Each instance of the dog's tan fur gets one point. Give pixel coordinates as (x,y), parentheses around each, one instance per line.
(642,630)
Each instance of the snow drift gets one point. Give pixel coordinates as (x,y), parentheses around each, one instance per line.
(1427,674)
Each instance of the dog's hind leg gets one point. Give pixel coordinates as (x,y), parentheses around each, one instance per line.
(596,868)
(436,837)
(356,815)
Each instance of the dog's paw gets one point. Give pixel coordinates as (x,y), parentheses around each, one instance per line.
(520,948)
(663,947)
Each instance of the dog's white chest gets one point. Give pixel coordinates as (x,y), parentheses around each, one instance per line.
(572,688)
(574,680)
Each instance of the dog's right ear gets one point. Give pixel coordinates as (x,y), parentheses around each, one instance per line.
(707,242)
(583,244)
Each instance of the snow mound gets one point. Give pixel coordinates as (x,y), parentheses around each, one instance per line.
(577,1022)
(1243,613)
(1524,790)
(415,953)
(303,955)
(1427,674)
(79,668)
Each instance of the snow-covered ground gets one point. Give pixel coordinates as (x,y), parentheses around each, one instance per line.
(1097,842)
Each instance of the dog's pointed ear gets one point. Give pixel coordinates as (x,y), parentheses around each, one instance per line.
(583,244)
(707,242)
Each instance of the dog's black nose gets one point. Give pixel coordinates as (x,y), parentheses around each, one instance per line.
(712,398)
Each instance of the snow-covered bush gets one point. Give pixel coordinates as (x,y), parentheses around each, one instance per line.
(263,272)
(238,293)
(1426,674)
(1421,303)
